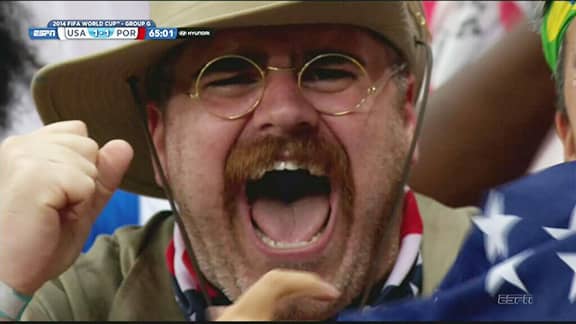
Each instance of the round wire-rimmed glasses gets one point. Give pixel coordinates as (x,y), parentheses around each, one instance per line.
(232,86)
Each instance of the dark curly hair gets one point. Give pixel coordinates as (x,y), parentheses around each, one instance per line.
(17,59)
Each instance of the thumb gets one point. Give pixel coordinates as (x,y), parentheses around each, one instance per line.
(259,302)
(113,161)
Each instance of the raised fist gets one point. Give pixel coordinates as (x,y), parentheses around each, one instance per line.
(53,184)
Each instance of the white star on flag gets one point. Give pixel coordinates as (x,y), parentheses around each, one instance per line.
(562,233)
(506,271)
(414,289)
(495,225)
(570,260)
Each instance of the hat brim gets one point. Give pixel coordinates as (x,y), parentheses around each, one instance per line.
(94,89)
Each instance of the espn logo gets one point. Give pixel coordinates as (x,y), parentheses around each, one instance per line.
(43,33)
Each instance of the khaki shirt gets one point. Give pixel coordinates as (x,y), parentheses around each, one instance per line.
(124,277)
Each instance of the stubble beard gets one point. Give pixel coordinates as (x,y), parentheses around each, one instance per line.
(352,275)
(224,265)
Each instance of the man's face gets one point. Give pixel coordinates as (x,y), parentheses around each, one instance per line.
(565,126)
(244,218)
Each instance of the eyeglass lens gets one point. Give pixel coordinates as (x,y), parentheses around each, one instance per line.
(233,85)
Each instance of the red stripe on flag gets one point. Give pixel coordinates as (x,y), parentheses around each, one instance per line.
(212,292)
(411,222)
(170,257)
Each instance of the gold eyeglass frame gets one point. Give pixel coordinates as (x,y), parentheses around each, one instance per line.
(392,71)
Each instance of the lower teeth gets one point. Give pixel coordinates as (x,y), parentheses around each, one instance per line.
(285,245)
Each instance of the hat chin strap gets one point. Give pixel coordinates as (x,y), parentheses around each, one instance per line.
(421,100)
(133,83)
(372,272)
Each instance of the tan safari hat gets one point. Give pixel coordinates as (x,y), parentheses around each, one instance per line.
(94,88)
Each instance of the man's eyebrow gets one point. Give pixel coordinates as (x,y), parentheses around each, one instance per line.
(308,55)
(258,57)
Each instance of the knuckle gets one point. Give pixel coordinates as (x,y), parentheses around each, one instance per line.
(83,146)
(74,182)
(91,146)
(92,143)
(48,181)
(92,171)
(51,195)
(87,186)
(80,127)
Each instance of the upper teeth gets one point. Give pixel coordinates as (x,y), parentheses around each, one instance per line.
(285,165)
(290,166)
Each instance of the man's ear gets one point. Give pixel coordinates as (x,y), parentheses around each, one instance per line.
(410,113)
(566,134)
(157,131)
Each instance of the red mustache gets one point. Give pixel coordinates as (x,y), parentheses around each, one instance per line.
(247,160)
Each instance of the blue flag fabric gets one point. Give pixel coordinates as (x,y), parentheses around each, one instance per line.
(122,209)
(517,263)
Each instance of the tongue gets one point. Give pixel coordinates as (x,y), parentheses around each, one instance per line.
(292,222)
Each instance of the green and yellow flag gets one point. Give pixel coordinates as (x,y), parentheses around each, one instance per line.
(556,22)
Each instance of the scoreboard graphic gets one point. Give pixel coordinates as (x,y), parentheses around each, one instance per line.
(113,30)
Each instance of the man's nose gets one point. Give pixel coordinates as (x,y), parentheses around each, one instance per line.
(283,109)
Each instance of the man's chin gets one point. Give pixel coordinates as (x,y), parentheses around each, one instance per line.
(306,309)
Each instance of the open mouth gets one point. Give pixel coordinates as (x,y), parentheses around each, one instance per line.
(291,207)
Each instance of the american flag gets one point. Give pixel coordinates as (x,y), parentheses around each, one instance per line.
(517,263)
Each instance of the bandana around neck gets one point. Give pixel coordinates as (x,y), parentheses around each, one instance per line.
(404,281)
